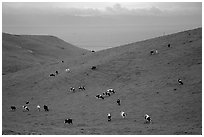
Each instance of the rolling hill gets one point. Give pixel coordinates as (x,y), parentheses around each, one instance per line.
(23,51)
(145,84)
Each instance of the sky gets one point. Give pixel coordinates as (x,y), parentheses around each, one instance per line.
(100,25)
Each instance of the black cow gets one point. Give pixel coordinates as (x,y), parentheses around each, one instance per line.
(13,108)
(151,52)
(93,68)
(52,75)
(68,121)
(46,108)
(169,45)
(108,93)
(57,72)
(118,101)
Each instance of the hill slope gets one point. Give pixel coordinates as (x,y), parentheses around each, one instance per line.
(23,51)
(145,84)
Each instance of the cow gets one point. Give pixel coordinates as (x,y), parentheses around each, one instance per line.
(56,72)
(82,88)
(68,121)
(99,96)
(27,102)
(109,116)
(147,118)
(123,114)
(25,108)
(118,101)
(93,67)
(52,75)
(111,90)
(46,108)
(72,89)
(152,52)
(38,107)
(67,70)
(180,82)
(169,45)
(107,93)
(156,51)
(13,108)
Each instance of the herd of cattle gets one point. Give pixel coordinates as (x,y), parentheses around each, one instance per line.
(26,108)
(108,93)
(102,96)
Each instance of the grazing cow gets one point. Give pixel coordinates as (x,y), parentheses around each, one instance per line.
(107,93)
(93,68)
(147,119)
(62,61)
(123,114)
(68,121)
(169,45)
(13,108)
(46,108)
(72,89)
(25,108)
(99,96)
(180,82)
(118,101)
(82,87)
(111,90)
(156,51)
(27,102)
(92,51)
(109,116)
(38,107)
(57,72)
(67,70)
(52,75)
(152,52)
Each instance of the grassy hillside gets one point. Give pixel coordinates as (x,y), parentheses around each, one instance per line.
(145,84)
(23,51)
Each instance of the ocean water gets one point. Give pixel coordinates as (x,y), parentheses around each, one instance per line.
(99,37)
(107,37)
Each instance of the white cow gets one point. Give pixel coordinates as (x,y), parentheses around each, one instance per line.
(147,119)
(25,108)
(38,107)
(123,114)
(109,116)
(111,91)
(67,70)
